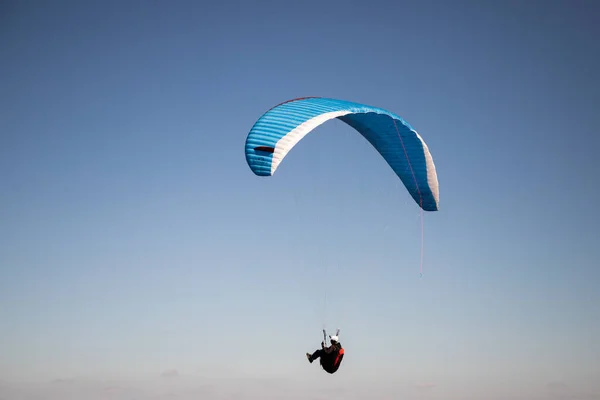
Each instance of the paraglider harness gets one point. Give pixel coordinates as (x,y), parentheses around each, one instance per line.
(325,362)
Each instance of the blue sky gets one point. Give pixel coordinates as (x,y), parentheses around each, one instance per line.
(134,239)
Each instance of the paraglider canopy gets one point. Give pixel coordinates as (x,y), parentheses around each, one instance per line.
(279,129)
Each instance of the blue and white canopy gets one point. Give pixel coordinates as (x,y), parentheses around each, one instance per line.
(278,130)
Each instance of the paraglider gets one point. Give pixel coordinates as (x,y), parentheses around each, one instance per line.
(279,129)
(330,357)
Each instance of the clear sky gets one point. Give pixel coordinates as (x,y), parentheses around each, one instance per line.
(135,242)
